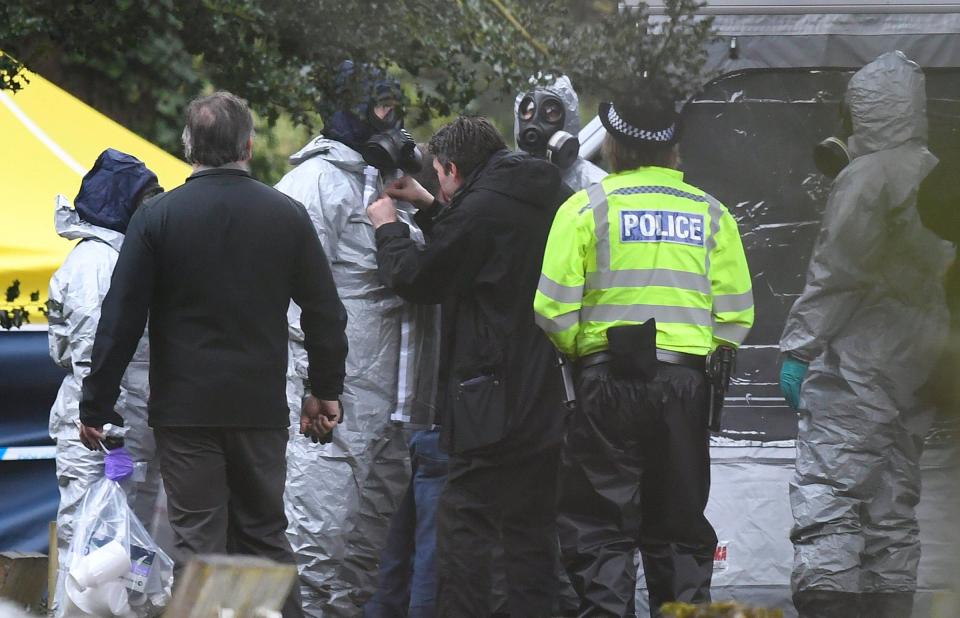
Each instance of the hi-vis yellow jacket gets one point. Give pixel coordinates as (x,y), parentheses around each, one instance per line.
(644,244)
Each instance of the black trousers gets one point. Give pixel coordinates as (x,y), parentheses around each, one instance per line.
(486,500)
(225,493)
(635,473)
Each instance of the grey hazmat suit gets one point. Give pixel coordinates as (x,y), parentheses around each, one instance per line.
(870,322)
(77,290)
(581,172)
(340,496)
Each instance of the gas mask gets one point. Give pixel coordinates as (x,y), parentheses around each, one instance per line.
(390,148)
(393,150)
(832,155)
(541,116)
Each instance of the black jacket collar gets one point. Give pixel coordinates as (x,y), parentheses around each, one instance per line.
(219,171)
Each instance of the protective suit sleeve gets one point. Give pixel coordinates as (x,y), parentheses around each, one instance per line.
(78,293)
(848,250)
(123,318)
(298,356)
(559,294)
(730,285)
(58,327)
(453,256)
(323,320)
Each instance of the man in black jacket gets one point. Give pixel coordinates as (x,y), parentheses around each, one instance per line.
(499,385)
(215,263)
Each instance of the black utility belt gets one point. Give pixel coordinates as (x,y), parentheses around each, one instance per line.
(670,357)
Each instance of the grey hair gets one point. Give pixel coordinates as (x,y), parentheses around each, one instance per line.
(217,130)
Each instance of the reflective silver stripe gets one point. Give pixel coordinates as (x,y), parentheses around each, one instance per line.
(559,323)
(715,211)
(642,313)
(733,302)
(638,278)
(559,293)
(405,392)
(601,220)
(734,333)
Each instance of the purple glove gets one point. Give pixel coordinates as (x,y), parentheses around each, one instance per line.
(118,464)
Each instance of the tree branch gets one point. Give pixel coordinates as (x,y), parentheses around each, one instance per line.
(516,24)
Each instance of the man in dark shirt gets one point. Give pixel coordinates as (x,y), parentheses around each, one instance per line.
(215,263)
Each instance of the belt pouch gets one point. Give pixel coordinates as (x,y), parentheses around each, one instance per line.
(634,350)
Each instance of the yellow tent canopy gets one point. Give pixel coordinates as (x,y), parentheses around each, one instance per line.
(48,141)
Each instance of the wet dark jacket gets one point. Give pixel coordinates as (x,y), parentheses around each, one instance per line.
(499,383)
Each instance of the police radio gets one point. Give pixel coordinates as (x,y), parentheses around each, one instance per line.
(566,375)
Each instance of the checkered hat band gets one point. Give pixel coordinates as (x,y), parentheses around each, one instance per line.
(660,190)
(621,125)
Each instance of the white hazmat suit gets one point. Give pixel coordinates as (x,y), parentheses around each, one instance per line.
(340,496)
(77,290)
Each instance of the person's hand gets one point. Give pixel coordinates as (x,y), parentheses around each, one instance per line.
(382,211)
(91,437)
(318,417)
(792,373)
(407,189)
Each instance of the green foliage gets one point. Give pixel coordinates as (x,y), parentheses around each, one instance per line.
(140,61)
(272,145)
(625,53)
(127,58)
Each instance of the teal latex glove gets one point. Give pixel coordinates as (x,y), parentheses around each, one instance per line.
(792,373)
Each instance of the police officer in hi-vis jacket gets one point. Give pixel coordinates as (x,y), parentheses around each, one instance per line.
(644,275)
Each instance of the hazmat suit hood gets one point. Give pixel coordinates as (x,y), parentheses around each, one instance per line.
(112,190)
(354,125)
(888,104)
(345,127)
(69,225)
(334,152)
(518,175)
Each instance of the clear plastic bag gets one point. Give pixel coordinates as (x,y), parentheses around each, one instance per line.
(113,567)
